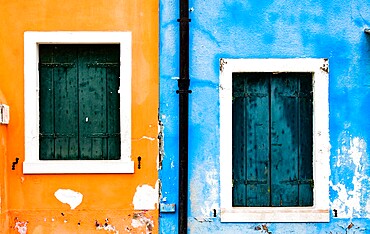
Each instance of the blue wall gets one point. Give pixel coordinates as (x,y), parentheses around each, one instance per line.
(332,29)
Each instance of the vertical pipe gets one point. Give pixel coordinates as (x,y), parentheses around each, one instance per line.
(183,84)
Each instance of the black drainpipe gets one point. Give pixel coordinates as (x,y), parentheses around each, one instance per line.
(183,84)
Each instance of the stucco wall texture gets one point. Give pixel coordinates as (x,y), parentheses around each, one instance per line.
(330,29)
(75,203)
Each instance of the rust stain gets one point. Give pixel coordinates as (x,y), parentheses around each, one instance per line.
(222,63)
(263,228)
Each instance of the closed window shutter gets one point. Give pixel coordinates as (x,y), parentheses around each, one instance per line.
(272,139)
(58,106)
(99,102)
(79,102)
(251,140)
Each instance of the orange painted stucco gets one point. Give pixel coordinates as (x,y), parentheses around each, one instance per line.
(30,198)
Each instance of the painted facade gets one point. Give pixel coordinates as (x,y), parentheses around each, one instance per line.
(224,29)
(80,203)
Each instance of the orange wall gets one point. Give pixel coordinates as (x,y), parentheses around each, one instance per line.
(3,138)
(31,197)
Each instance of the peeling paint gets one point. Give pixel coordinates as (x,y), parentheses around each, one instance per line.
(160,145)
(21,227)
(140,220)
(263,229)
(210,183)
(70,197)
(203,219)
(106,226)
(146,197)
(351,198)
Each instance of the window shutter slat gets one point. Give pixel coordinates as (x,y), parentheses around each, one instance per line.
(306,142)
(239,147)
(257,139)
(66,106)
(46,114)
(113,127)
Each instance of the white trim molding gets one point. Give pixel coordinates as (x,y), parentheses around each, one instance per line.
(32,163)
(319,212)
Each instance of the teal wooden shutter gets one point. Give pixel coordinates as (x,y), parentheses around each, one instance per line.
(58,103)
(251,140)
(99,102)
(272,139)
(79,102)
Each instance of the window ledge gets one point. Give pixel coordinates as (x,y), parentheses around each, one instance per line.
(78,167)
(275,214)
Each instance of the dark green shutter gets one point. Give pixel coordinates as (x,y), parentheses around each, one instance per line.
(79,102)
(272,139)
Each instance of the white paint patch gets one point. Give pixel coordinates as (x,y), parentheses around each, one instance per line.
(348,203)
(136,223)
(70,197)
(146,197)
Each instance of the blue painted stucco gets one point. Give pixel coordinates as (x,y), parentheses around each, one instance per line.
(332,29)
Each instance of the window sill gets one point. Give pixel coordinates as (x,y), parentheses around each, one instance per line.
(78,167)
(275,214)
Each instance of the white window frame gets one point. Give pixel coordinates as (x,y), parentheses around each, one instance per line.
(32,163)
(319,212)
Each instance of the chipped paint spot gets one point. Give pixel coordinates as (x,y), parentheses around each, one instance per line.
(147,138)
(21,227)
(351,200)
(70,197)
(106,227)
(140,220)
(146,197)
